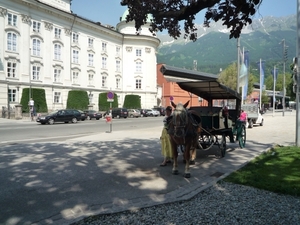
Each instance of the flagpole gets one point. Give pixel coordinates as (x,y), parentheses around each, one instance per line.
(274,74)
(238,66)
(298,78)
(260,83)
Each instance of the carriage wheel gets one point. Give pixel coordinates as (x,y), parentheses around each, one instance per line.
(223,146)
(242,137)
(206,141)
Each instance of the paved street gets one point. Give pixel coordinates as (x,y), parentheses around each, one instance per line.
(59,183)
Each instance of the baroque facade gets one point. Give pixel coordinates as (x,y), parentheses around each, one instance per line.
(43,44)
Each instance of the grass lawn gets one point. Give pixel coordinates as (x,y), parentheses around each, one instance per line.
(277,170)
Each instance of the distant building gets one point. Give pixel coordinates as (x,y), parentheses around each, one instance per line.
(45,45)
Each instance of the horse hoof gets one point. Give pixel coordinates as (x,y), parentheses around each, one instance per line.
(192,162)
(187,175)
(175,172)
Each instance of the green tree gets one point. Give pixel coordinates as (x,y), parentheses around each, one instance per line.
(132,102)
(228,77)
(264,97)
(279,84)
(235,14)
(104,105)
(39,97)
(77,99)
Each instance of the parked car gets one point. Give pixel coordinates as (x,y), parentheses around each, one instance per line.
(134,113)
(161,110)
(143,112)
(152,112)
(83,115)
(93,114)
(119,112)
(64,116)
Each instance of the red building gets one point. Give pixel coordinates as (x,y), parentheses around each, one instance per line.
(167,78)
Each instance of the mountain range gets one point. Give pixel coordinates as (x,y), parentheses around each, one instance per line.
(214,51)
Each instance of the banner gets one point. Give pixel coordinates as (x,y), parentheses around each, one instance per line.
(244,71)
(246,62)
(261,69)
(275,75)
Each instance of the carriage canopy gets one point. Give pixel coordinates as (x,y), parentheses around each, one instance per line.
(209,89)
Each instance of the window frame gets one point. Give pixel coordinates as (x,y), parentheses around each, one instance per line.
(12,95)
(57,51)
(12,19)
(36,47)
(11,41)
(90,59)
(57,33)
(56,97)
(75,56)
(35,72)
(36,24)
(75,38)
(56,75)
(13,69)
(75,77)
(138,83)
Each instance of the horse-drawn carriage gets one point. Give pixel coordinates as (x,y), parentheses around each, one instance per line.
(204,127)
(217,125)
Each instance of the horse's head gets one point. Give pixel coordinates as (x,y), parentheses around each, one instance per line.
(180,119)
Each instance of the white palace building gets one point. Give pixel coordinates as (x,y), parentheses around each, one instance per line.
(45,45)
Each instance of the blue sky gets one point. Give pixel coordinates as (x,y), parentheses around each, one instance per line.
(110,11)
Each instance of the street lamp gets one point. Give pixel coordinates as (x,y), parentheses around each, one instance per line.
(284,61)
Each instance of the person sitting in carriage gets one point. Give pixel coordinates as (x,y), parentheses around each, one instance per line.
(243,116)
(225,114)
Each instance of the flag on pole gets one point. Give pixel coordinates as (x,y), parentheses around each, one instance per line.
(275,74)
(261,67)
(243,79)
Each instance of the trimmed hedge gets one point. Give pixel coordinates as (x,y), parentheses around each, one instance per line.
(39,97)
(77,99)
(132,102)
(104,105)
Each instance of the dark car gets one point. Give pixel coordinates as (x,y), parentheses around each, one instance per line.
(161,110)
(63,116)
(143,112)
(83,115)
(119,112)
(93,114)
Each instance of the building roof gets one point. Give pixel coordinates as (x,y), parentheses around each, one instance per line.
(209,89)
(176,74)
(123,18)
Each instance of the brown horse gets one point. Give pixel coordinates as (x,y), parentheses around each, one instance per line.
(183,131)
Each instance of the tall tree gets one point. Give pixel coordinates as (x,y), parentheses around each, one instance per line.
(235,14)
(229,75)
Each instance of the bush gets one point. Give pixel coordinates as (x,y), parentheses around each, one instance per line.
(39,97)
(132,102)
(104,105)
(77,99)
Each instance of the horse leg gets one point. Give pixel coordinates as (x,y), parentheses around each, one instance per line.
(193,156)
(175,156)
(187,163)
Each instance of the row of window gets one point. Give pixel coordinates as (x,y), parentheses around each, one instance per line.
(36,28)
(36,51)
(57,73)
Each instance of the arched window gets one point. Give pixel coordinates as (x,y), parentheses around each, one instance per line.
(36,47)
(57,51)
(11,42)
